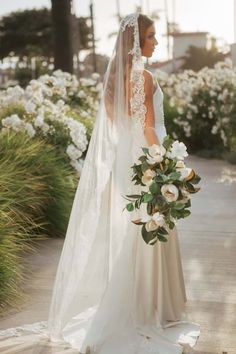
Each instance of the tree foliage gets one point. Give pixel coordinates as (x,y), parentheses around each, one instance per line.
(29,33)
(197,58)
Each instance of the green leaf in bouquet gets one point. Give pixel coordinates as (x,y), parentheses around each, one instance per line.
(154,188)
(148,237)
(159,178)
(165,178)
(196,179)
(167,142)
(179,205)
(145,150)
(162,238)
(130,207)
(147,198)
(149,208)
(174,175)
(190,188)
(134,196)
(137,222)
(188,204)
(185,213)
(174,212)
(142,158)
(171,225)
(151,243)
(144,167)
(162,231)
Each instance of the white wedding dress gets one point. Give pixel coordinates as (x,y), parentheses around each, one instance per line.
(142,310)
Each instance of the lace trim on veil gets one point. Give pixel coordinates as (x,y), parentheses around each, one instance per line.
(138,108)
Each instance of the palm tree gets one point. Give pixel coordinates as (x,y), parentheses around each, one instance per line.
(62,34)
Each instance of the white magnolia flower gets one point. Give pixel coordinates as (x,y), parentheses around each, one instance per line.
(185,172)
(170,192)
(148,177)
(156,153)
(153,221)
(178,150)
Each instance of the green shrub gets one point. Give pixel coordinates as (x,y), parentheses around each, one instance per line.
(37,189)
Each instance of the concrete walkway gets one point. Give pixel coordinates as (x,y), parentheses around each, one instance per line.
(208,246)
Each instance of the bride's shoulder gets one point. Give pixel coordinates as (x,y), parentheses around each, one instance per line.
(148,75)
(149,80)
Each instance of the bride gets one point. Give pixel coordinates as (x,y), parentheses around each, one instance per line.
(113,293)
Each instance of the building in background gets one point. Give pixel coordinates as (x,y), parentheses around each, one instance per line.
(181,42)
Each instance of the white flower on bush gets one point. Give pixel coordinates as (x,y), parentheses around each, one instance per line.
(178,150)
(30,129)
(156,153)
(153,221)
(73,152)
(30,107)
(95,76)
(77,133)
(148,177)
(77,165)
(81,94)
(39,121)
(170,192)
(13,122)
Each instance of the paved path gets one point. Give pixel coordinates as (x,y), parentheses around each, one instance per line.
(208,246)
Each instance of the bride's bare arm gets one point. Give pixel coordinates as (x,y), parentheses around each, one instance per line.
(149,130)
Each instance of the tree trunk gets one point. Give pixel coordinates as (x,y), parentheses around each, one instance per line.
(62,35)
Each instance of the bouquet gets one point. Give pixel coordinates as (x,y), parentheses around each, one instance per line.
(166,186)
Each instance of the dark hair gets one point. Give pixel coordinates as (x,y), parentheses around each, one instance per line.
(143,23)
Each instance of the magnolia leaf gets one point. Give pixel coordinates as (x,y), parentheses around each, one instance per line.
(145,150)
(196,179)
(130,207)
(174,175)
(162,238)
(145,166)
(153,241)
(179,205)
(185,213)
(134,196)
(162,231)
(153,188)
(171,225)
(137,222)
(147,198)
(148,236)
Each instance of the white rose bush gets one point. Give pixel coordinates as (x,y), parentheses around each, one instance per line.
(166,188)
(58,109)
(200,107)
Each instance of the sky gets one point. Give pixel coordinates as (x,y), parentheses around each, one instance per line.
(213,16)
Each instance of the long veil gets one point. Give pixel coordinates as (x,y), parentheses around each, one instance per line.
(92,306)
(98,227)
